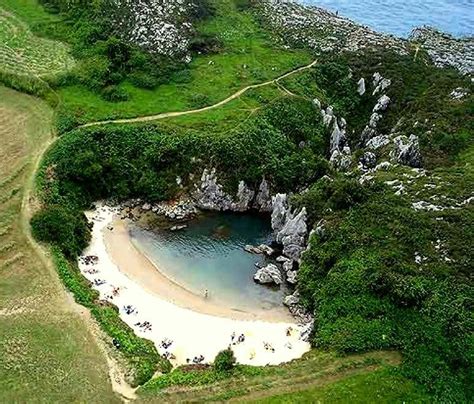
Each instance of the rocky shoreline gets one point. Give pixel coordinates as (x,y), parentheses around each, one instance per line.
(326,32)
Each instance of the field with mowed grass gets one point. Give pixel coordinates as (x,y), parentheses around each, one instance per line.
(47,354)
(24,53)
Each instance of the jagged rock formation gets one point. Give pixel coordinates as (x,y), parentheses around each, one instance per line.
(159,26)
(269,274)
(368,160)
(407,151)
(291,232)
(210,195)
(263,200)
(445,50)
(341,160)
(361,86)
(280,209)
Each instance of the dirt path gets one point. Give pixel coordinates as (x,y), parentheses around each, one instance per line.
(164,115)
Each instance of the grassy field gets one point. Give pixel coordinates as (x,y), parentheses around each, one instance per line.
(47,354)
(23,53)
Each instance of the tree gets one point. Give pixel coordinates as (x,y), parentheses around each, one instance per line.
(225,360)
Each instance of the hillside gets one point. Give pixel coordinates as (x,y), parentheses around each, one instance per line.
(359,145)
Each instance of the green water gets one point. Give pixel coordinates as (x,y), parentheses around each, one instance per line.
(210,255)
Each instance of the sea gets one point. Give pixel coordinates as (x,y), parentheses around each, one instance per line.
(399,17)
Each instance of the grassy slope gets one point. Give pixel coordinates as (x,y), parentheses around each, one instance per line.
(248,57)
(46,353)
(317,372)
(21,51)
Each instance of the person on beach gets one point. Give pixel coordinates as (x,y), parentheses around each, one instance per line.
(206,294)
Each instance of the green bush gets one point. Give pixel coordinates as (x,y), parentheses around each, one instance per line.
(66,229)
(224,361)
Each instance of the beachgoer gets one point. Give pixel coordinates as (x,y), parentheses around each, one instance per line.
(206,294)
(232,336)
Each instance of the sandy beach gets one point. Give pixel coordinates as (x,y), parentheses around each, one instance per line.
(196,326)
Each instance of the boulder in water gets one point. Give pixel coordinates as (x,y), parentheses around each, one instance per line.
(269,274)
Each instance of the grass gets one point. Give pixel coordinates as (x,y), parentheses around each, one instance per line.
(315,371)
(23,53)
(248,56)
(46,352)
(382,386)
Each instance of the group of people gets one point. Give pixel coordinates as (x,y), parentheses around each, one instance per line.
(196,360)
(166,343)
(239,340)
(145,326)
(129,309)
(268,347)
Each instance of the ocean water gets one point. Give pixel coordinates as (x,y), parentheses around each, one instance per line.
(399,17)
(209,255)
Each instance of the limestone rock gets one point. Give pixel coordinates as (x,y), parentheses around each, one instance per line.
(407,151)
(361,86)
(338,138)
(291,277)
(209,194)
(377,142)
(263,200)
(382,86)
(382,103)
(291,300)
(288,266)
(293,234)
(244,197)
(341,160)
(280,211)
(268,274)
(368,160)
(328,116)
(317,103)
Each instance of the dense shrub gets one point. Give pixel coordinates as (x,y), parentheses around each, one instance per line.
(66,229)
(367,292)
(224,361)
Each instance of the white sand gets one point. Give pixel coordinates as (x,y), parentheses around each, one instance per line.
(193,333)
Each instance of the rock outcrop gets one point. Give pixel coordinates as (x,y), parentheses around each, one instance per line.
(341,160)
(407,151)
(361,86)
(263,200)
(280,211)
(292,235)
(368,160)
(445,50)
(268,275)
(322,30)
(161,27)
(210,195)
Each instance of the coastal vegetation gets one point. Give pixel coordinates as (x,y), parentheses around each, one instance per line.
(382,276)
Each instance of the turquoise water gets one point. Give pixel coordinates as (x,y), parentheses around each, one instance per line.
(209,255)
(399,17)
